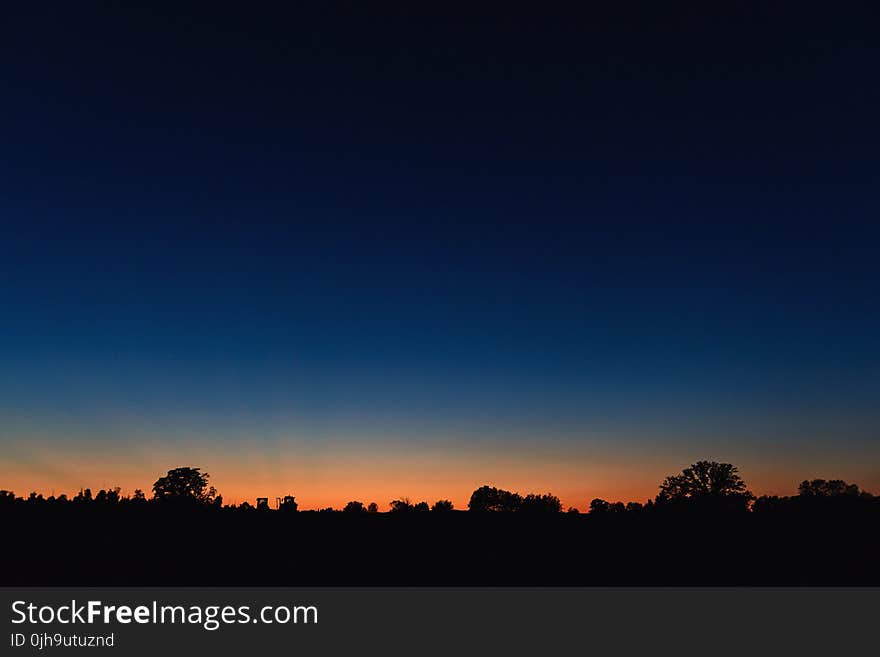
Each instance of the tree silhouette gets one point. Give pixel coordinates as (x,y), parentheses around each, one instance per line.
(599,506)
(184,485)
(7,498)
(489,498)
(548,503)
(84,495)
(372,507)
(822,535)
(707,482)
(818,496)
(108,496)
(827,488)
(403,505)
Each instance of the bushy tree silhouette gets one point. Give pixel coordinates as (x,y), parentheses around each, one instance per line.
(827,488)
(547,503)
(184,485)
(108,496)
(402,505)
(599,506)
(707,483)
(83,496)
(354,507)
(7,498)
(442,505)
(489,498)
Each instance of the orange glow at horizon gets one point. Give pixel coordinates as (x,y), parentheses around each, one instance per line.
(319,479)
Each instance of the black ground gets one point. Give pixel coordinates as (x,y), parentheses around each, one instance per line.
(151,545)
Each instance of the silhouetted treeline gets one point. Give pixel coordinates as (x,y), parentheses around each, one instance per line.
(704,486)
(703,527)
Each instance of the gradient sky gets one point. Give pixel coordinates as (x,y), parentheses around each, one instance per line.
(348,255)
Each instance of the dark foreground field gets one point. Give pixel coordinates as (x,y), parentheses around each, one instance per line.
(162,546)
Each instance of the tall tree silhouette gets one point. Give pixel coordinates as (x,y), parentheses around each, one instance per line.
(184,485)
(707,482)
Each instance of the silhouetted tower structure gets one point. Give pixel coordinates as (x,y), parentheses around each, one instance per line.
(286,503)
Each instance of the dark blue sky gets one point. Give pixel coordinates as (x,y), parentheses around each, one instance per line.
(637,236)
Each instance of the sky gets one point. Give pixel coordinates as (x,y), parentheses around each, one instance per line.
(359,253)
